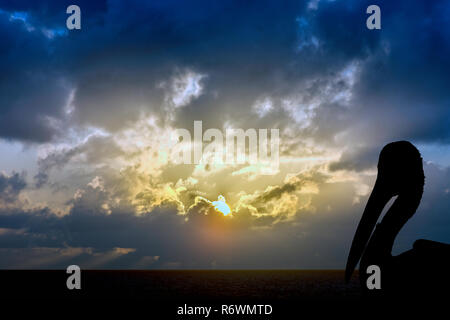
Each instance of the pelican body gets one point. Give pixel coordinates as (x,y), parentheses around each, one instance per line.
(423,270)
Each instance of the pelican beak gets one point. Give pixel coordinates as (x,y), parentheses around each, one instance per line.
(377,200)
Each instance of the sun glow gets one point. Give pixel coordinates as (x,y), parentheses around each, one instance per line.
(221,206)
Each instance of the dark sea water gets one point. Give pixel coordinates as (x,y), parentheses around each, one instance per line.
(185,285)
(291,294)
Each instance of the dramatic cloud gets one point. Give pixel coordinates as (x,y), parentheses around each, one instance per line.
(10,186)
(357,159)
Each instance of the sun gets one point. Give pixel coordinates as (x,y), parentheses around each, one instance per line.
(221,206)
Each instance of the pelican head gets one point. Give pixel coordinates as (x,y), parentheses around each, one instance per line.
(400,173)
(400,168)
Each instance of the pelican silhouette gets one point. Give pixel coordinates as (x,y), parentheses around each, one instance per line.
(418,271)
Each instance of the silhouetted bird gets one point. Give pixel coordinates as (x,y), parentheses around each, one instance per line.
(420,272)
